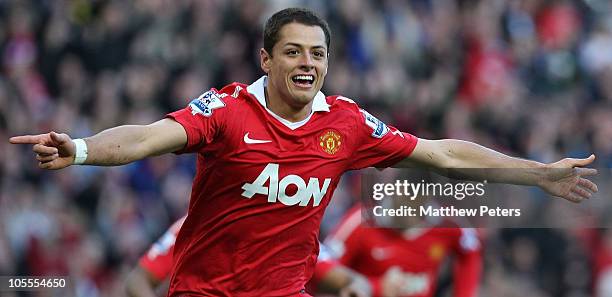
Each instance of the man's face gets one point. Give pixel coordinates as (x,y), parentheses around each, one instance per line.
(298,65)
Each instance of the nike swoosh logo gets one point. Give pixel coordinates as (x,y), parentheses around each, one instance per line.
(248,140)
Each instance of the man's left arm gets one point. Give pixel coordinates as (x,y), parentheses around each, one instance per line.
(467,160)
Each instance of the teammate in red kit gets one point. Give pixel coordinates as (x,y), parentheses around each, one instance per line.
(406,262)
(275,151)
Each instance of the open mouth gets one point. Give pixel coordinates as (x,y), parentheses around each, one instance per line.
(303,80)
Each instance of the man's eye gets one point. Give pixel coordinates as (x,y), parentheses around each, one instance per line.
(319,54)
(292,52)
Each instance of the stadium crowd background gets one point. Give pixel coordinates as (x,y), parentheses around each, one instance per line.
(532,78)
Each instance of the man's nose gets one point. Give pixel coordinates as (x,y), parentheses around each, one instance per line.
(306,61)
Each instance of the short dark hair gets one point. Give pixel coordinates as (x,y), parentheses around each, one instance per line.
(290,15)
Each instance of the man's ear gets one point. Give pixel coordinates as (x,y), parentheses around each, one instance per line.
(266,60)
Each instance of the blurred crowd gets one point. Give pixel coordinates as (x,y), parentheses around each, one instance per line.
(532,78)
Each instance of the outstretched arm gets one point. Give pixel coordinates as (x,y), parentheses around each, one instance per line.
(115,146)
(461,159)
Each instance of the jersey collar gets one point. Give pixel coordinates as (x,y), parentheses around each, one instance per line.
(258,90)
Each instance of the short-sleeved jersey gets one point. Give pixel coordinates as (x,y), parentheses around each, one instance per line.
(257,200)
(158,259)
(419,253)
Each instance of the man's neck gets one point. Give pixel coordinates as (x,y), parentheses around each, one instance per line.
(290,113)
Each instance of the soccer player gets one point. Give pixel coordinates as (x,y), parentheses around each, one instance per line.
(275,151)
(406,262)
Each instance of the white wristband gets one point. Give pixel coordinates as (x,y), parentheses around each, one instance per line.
(81,151)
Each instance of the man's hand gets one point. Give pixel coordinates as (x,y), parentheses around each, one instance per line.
(359,287)
(53,151)
(565,179)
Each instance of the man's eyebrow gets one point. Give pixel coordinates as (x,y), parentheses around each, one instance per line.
(300,45)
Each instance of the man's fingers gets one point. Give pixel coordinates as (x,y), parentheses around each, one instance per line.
(44,150)
(27,139)
(586,171)
(585,183)
(45,165)
(51,138)
(582,162)
(46,158)
(582,193)
(58,138)
(50,165)
(573,197)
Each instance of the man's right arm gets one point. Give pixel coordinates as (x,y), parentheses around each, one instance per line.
(115,146)
(126,144)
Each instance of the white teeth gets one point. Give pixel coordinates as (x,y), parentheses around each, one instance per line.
(304,77)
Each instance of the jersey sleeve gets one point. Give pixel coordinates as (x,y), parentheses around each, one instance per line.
(379,145)
(158,260)
(202,119)
(468,264)
(158,266)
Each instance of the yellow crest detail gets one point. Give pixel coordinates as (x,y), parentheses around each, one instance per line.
(436,252)
(330,141)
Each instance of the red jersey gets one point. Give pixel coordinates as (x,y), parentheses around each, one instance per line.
(257,201)
(418,252)
(158,259)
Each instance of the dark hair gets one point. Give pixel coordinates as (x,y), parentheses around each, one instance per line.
(290,15)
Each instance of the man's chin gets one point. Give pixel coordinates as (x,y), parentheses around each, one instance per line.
(303,97)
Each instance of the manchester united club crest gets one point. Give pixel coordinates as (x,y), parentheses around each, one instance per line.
(436,252)
(330,141)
